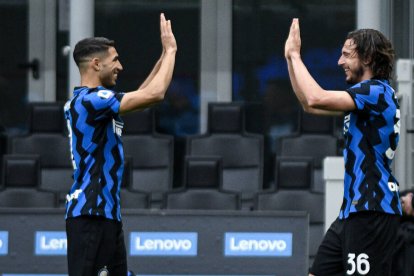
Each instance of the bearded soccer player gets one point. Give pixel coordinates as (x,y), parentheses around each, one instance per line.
(93,219)
(361,241)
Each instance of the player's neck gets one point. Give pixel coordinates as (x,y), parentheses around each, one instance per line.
(90,82)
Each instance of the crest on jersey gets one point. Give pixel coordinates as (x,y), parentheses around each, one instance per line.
(105,94)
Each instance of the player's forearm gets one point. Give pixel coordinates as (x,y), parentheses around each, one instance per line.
(159,84)
(155,91)
(153,72)
(293,81)
(305,87)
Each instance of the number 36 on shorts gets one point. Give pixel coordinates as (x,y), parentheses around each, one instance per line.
(359,264)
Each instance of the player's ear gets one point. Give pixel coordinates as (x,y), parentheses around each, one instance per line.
(367,61)
(95,62)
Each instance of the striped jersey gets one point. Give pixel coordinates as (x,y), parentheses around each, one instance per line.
(95,129)
(371,134)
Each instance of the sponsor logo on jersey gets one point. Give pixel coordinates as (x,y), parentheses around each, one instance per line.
(117,126)
(74,195)
(347,120)
(393,186)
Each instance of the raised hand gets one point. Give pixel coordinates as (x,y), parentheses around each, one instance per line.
(293,42)
(167,37)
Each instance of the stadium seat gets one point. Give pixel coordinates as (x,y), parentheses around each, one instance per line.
(21,175)
(152,155)
(131,199)
(241,152)
(203,172)
(47,140)
(316,124)
(293,172)
(202,187)
(293,182)
(311,145)
(315,140)
(3,147)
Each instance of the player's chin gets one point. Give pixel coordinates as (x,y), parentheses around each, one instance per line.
(113,82)
(350,80)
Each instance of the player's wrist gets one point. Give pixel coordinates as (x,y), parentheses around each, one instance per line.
(294,55)
(171,51)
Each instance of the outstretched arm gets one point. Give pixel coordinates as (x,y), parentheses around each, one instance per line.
(312,97)
(154,87)
(154,71)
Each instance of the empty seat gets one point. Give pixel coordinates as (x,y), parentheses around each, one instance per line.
(315,139)
(131,199)
(21,180)
(309,145)
(293,172)
(3,147)
(293,181)
(241,152)
(152,155)
(202,187)
(202,200)
(316,124)
(203,172)
(46,139)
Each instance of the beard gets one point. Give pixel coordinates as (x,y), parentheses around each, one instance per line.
(355,75)
(108,81)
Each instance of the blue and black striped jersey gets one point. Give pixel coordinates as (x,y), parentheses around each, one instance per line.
(371,134)
(94,133)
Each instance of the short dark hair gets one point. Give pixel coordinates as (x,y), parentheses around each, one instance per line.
(373,47)
(91,45)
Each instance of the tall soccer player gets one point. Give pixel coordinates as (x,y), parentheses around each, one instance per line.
(93,219)
(361,241)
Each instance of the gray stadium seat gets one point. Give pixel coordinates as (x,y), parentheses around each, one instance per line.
(314,143)
(293,182)
(47,140)
(316,124)
(203,172)
(202,187)
(21,175)
(241,152)
(152,155)
(131,199)
(3,147)
(311,145)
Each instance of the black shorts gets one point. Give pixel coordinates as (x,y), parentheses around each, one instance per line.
(362,244)
(95,244)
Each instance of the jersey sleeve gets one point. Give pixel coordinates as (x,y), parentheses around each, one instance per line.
(103,103)
(367,96)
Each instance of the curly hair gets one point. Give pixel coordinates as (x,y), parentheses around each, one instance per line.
(374,49)
(89,46)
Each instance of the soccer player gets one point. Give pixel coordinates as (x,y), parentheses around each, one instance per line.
(362,239)
(93,219)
